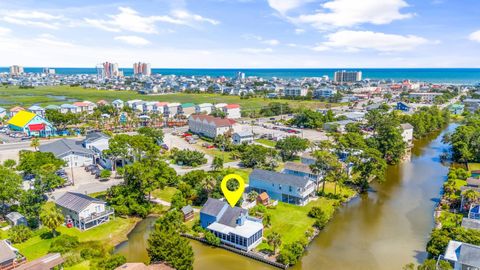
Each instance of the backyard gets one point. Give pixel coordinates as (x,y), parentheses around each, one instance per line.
(111,233)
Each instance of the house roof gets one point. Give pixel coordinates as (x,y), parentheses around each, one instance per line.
(13,216)
(76,201)
(263,196)
(473,182)
(6,252)
(17,109)
(298,167)
(232,106)
(463,253)
(188,105)
(406,126)
(470,223)
(21,118)
(2,110)
(46,262)
(212,207)
(64,146)
(244,133)
(279,178)
(52,107)
(229,218)
(219,122)
(187,209)
(68,106)
(93,136)
(35,108)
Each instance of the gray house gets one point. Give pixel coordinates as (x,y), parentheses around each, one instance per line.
(71,151)
(462,255)
(15,219)
(82,211)
(9,256)
(286,188)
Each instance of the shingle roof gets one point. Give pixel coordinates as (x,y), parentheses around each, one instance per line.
(219,122)
(212,207)
(93,136)
(64,146)
(6,253)
(469,255)
(229,218)
(76,201)
(406,126)
(187,209)
(470,223)
(298,167)
(14,216)
(279,178)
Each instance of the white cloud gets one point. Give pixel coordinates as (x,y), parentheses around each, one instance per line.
(133,40)
(257,50)
(53,41)
(270,42)
(283,6)
(356,40)
(32,18)
(475,36)
(299,31)
(4,31)
(348,13)
(129,19)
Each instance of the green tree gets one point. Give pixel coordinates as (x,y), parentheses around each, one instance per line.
(274,240)
(327,166)
(35,143)
(9,163)
(252,196)
(153,133)
(368,166)
(212,239)
(19,234)
(217,163)
(291,253)
(166,245)
(187,157)
(290,146)
(111,262)
(51,217)
(11,187)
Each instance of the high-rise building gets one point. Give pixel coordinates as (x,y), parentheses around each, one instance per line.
(108,70)
(142,69)
(344,76)
(240,76)
(16,70)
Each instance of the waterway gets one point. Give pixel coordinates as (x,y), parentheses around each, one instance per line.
(384,229)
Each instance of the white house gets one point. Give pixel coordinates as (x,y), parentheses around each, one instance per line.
(407,132)
(295,91)
(245,136)
(118,104)
(71,151)
(232,111)
(98,142)
(82,211)
(171,109)
(85,106)
(209,126)
(37,110)
(66,108)
(204,108)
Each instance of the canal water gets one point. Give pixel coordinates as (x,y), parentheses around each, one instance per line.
(384,229)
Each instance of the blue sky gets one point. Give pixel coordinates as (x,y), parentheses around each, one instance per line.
(241,33)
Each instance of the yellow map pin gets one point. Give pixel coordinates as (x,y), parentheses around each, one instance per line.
(233,196)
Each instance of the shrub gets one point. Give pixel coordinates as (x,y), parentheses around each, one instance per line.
(212,239)
(111,262)
(105,174)
(189,158)
(19,234)
(72,259)
(64,243)
(290,253)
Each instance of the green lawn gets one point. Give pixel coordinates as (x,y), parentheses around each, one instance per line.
(267,142)
(165,194)
(473,166)
(85,265)
(11,96)
(244,173)
(292,221)
(345,191)
(111,233)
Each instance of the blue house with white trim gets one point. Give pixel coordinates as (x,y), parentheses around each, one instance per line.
(232,225)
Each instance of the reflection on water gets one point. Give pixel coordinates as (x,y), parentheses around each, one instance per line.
(384,229)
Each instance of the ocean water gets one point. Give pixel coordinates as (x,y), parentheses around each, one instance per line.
(433,75)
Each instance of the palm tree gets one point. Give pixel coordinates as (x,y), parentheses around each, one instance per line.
(471,196)
(35,143)
(209,184)
(51,217)
(274,239)
(217,163)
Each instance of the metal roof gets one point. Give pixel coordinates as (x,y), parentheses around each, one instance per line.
(279,178)
(470,223)
(187,209)
(6,252)
(65,146)
(21,119)
(76,201)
